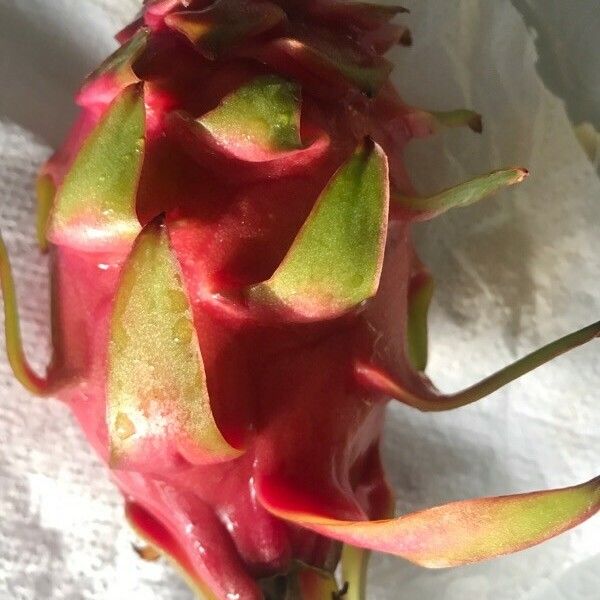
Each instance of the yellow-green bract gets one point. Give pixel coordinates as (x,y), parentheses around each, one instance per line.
(335,261)
(156,389)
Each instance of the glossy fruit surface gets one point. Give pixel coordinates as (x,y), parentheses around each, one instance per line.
(236,297)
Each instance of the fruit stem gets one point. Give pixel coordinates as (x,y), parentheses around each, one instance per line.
(355,564)
(14,345)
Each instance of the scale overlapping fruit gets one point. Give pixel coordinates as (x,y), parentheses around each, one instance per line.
(236,297)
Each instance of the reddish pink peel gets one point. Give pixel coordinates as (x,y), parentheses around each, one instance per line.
(301,324)
(160,538)
(217,577)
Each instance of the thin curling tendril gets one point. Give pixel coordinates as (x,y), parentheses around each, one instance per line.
(12,330)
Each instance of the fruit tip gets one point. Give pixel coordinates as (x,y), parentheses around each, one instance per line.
(476,123)
(368,144)
(397,9)
(406,39)
(522,174)
(137,89)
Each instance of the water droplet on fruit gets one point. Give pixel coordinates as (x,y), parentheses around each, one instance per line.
(177,300)
(182,332)
(124,426)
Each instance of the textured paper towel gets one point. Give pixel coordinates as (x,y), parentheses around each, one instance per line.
(511,273)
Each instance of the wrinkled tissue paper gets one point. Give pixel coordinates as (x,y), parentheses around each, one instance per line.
(512,273)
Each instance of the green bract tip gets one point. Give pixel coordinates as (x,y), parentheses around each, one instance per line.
(335,262)
(462,532)
(119,65)
(95,208)
(461,195)
(457,118)
(261,116)
(338,63)
(157,396)
(225,24)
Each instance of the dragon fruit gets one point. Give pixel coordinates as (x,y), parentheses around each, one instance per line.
(236,298)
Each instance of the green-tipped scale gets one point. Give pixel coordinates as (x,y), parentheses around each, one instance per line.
(157,395)
(262,116)
(461,195)
(118,67)
(335,261)
(455,118)
(424,123)
(421,395)
(255,132)
(225,24)
(367,13)
(95,207)
(339,65)
(462,532)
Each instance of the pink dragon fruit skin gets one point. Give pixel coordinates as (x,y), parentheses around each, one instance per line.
(236,297)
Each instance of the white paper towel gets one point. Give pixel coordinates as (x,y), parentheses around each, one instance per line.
(512,273)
